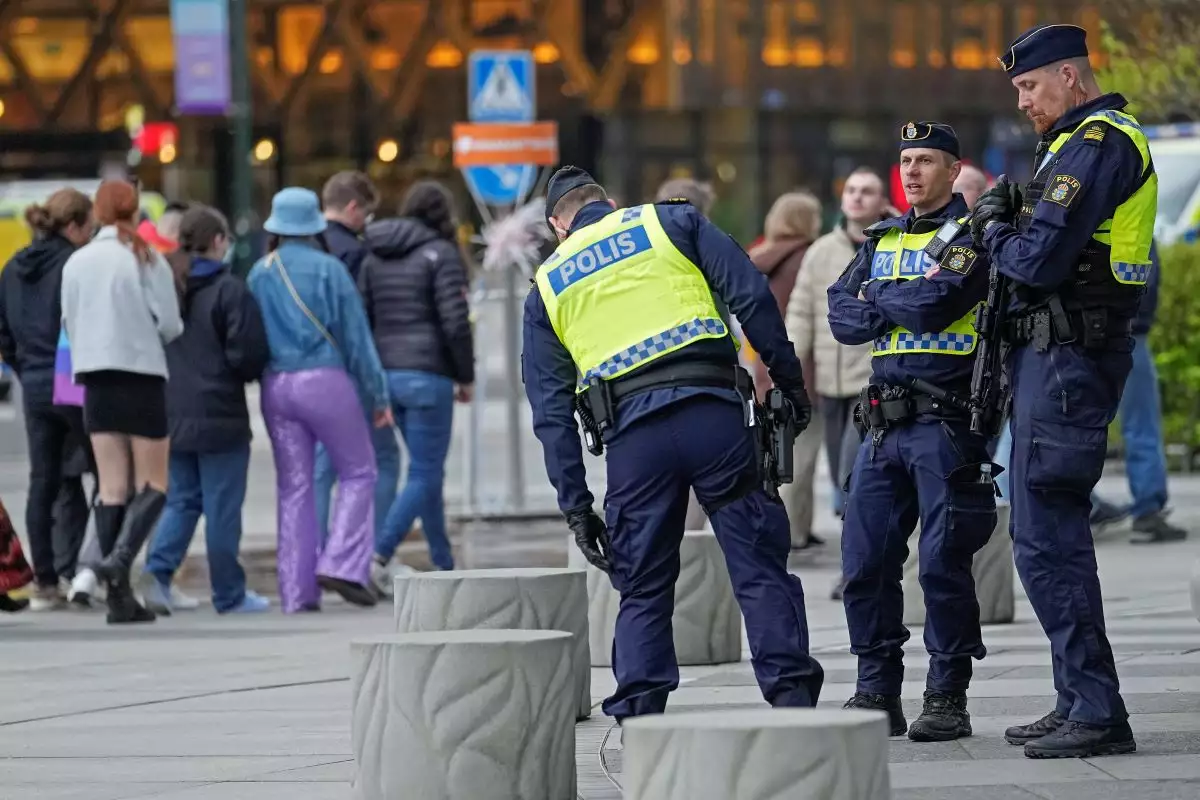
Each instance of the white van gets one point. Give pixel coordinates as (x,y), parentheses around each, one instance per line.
(1176,153)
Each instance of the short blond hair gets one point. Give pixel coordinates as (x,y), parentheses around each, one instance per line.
(795,215)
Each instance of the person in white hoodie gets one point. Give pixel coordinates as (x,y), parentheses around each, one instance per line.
(841,370)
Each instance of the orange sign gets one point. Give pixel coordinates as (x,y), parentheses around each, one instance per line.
(490,144)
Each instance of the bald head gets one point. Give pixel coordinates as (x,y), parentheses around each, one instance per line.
(970,184)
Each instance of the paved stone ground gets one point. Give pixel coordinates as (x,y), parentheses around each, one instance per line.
(197,707)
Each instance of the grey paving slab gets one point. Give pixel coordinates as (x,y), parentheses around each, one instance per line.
(146,769)
(1150,767)
(255,791)
(87,791)
(992,773)
(1086,790)
(1148,744)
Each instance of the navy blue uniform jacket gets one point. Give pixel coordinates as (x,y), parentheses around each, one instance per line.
(919,305)
(1108,170)
(550,374)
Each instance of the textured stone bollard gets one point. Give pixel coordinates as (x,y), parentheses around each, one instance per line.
(995,577)
(707,622)
(1196,589)
(531,599)
(768,753)
(464,715)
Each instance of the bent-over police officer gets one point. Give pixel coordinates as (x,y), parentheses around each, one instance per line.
(633,308)
(1078,253)
(913,291)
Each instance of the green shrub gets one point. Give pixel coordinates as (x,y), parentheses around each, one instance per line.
(1175,342)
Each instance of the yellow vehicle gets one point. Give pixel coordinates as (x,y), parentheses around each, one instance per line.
(16,196)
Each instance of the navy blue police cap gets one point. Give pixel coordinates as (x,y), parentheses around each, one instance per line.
(566,179)
(934,135)
(1042,45)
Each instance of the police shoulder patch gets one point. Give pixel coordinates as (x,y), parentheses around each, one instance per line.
(1095,132)
(958,259)
(1062,189)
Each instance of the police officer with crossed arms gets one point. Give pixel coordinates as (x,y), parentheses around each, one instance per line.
(913,290)
(632,312)
(1078,253)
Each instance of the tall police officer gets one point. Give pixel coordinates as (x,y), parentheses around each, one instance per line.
(1078,253)
(627,308)
(920,460)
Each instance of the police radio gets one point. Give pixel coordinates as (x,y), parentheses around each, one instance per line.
(945,236)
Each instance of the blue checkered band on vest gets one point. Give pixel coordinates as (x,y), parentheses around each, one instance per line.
(1137,273)
(945,342)
(653,346)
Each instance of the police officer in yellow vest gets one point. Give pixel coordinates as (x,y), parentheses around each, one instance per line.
(1078,253)
(913,290)
(634,306)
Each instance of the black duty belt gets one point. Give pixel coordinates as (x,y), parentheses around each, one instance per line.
(675,375)
(1089,328)
(884,406)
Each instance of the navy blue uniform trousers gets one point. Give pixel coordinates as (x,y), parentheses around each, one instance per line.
(1064,399)
(699,443)
(928,471)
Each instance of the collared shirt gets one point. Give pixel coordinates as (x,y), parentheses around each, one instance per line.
(550,374)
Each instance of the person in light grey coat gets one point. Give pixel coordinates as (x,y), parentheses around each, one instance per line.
(120,309)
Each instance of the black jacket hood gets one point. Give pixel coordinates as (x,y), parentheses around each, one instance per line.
(396,238)
(32,263)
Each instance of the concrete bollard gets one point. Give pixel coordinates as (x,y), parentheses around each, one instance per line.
(707,623)
(522,598)
(464,715)
(995,577)
(721,755)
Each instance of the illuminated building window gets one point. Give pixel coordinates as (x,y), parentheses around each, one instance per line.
(645,49)
(839,37)
(903,52)
(56,48)
(931,34)
(151,38)
(444,55)
(968,54)
(384,59)
(681,52)
(299,26)
(777,51)
(805,12)
(808,53)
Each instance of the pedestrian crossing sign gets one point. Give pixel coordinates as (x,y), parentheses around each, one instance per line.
(501,86)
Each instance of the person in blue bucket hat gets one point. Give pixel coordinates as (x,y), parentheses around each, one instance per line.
(322,371)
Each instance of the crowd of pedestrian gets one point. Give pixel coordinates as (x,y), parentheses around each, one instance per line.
(135,343)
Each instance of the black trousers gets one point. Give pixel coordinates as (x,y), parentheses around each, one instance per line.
(50,432)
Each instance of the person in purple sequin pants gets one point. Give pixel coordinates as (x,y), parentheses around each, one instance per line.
(323,373)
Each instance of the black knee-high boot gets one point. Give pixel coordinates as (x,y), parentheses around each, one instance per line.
(141,517)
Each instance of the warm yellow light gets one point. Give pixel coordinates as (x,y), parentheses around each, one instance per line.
(681,53)
(727,172)
(26,26)
(331,62)
(809,53)
(643,51)
(1,108)
(444,55)
(903,58)
(264,150)
(384,59)
(166,153)
(776,55)
(545,53)
(388,150)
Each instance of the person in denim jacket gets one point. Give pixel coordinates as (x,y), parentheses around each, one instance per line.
(323,369)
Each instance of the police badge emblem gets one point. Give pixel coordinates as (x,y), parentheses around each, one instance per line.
(959,259)
(1062,190)
(911,131)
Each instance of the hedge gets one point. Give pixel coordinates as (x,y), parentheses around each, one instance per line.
(1175,343)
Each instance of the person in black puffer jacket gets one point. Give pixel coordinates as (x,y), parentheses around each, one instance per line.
(223,347)
(414,286)
(30,315)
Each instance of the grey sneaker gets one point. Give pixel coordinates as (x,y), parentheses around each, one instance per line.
(155,596)
(180,601)
(1154,529)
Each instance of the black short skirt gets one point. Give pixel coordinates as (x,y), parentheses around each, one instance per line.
(125,402)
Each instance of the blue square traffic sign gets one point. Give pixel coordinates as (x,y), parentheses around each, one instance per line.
(501,87)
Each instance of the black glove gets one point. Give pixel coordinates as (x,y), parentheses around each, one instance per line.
(801,405)
(994,204)
(591,537)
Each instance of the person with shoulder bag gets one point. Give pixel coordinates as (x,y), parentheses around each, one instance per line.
(323,369)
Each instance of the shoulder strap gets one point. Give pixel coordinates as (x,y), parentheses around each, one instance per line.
(276,260)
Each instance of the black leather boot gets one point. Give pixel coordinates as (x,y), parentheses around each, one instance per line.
(1024,734)
(108,525)
(897,725)
(1080,740)
(141,517)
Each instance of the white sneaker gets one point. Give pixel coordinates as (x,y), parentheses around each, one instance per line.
(83,587)
(381,578)
(181,601)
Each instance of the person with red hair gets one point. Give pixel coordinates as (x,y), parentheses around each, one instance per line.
(120,309)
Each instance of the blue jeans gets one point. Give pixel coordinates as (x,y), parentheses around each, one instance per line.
(387,466)
(1140,417)
(423,404)
(212,484)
